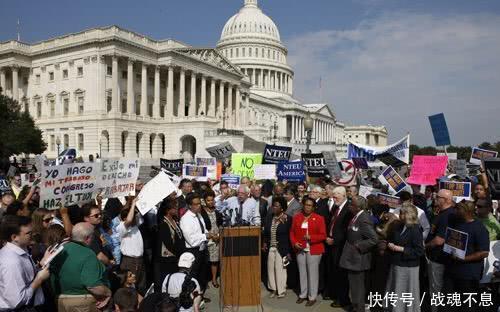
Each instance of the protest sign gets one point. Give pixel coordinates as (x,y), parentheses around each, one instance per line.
(68,184)
(360,163)
(154,192)
(348,174)
(450,155)
(274,154)
(389,200)
(315,165)
(117,177)
(459,190)
(458,167)
(455,242)
(399,151)
(439,129)
(392,179)
(365,191)
(493,256)
(479,154)
(4,185)
(332,164)
(199,173)
(206,161)
(426,169)
(172,165)
(41,161)
(265,172)
(243,164)
(221,151)
(291,171)
(233,181)
(492,170)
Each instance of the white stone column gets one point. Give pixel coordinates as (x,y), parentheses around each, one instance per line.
(261,78)
(15,83)
(144,90)
(221,100)
(247,110)
(253,77)
(192,100)
(181,109)
(2,80)
(157,147)
(115,92)
(292,139)
(211,108)
(144,146)
(275,87)
(156,103)
(170,93)
(130,144)
(237,110)
(291,85)
(130,88)
(229,113)
(102,102)
(203,100)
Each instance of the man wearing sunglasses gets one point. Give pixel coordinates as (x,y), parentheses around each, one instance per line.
(93,215)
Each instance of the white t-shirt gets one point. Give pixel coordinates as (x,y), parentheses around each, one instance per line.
(131,243)
(175,286)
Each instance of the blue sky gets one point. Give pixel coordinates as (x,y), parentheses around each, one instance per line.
(391,62)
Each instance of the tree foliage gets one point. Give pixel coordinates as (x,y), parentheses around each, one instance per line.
(463,152)
(19,134)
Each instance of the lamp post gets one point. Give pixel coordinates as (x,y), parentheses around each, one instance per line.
(308,127)
(58,143)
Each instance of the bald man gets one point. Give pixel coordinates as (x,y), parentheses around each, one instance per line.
(435,241)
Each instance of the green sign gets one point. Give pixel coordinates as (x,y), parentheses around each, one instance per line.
(243,164)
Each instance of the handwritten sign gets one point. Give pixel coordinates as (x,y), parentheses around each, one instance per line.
(455,242)
(265,172)
(291,171)
(274,154)
(392,179)
(243,164)
(117,177)
(459,190)
(366,191)
(479,154)
(68,184)
(426,169)
(221,151)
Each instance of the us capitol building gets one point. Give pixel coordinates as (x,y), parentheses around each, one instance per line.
(118,93)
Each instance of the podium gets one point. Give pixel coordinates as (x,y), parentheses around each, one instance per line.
(240,266)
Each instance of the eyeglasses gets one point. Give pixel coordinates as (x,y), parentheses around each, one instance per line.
(97,215)
(442,197)
(47,220)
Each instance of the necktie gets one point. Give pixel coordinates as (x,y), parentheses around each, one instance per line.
(330,204)
(201,223)
(334,219)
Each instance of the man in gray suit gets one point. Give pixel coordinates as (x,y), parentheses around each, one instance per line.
(356,256)
(293,205)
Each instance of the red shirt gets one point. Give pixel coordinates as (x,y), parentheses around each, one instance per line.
(317,232)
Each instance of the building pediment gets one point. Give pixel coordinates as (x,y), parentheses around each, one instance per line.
(320,109)
(211,57)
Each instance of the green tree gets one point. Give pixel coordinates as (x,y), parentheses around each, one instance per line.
(19,133)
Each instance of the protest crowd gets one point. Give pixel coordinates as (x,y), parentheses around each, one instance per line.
(385,240)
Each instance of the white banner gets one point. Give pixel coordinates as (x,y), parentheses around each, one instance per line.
(399,150)
(154,192)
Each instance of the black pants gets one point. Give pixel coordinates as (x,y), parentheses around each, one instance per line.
(337,282)
(201,267)
(461,286)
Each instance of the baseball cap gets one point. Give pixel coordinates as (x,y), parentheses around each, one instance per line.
(186,260)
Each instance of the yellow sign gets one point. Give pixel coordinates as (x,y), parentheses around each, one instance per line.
(243,164)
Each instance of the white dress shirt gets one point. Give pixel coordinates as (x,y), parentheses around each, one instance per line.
(131,243)
(250,211)
(17,271)
(191,229)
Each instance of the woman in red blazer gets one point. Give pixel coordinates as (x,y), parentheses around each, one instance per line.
(307,235)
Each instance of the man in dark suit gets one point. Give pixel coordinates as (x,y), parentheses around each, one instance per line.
(256,192)
(186,187)
(324,207)
(356,256)
(337,286)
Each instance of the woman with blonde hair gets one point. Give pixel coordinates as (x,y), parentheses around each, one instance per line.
(405,246)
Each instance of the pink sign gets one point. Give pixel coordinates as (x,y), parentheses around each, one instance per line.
(426,169)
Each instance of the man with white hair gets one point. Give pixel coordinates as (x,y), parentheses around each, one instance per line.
(242,208)
(78,277)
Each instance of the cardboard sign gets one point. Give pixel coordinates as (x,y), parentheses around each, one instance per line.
(265,172)
(274,154)
(117,177)
(221,151)
(426,169)
(243,164)
(172,165)
(315,165)
(389,200)
(459,190)
(439,129)
(233,181)
(458,167)
(291,171)
(479,154)
(332,164)
(492,169)
(154,192)
(455,243)
(391,178)
(206,161)
(360,163)
(348,174)
(399,150)
(68,184)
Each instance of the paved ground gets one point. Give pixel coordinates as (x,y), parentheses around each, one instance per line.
(271,305)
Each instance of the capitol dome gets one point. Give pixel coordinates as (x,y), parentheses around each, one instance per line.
(251,40)
(250,21)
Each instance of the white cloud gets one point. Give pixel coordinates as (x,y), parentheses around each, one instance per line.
(397,69)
